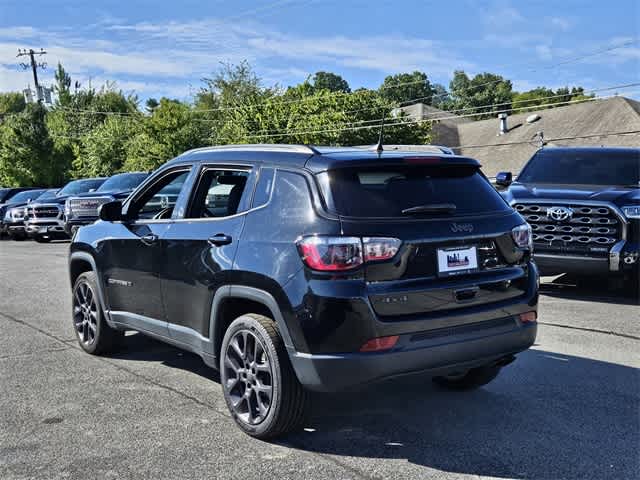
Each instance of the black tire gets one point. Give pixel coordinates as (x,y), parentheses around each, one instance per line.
(94,335)
(17,237)
(268,366)
(472,379)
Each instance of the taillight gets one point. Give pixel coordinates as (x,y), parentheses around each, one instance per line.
(377,249)
(331,254)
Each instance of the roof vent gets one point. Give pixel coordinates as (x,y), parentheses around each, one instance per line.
(503,124)
(533,118)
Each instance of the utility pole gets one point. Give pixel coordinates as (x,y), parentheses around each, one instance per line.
(34,66)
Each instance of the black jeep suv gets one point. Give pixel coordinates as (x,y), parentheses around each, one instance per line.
(583,204)
(295,269)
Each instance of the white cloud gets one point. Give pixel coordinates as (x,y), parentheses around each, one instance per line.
(560,23)
(186,51)
(501,15)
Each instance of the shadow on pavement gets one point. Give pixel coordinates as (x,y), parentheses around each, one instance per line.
(547,416)
(140,348)
(591,289)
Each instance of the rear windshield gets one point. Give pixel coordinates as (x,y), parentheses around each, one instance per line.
(583,167)
(387,191)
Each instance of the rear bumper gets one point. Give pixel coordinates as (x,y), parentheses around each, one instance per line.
(438,344)
(433,356)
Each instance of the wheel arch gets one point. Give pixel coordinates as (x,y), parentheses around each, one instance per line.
(81,262)
(231,301)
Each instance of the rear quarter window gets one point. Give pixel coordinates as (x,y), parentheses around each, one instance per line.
(382,192)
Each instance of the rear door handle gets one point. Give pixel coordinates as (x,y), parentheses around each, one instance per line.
(149,239)
(219,240)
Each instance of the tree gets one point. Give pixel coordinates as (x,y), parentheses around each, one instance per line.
(104,149)
(407,89)
(26,151)
(542,98)
(169,131)
(63,86)
(330,81)
(441,98)
(486,94)
(303,114)
(151,104)
(11,102)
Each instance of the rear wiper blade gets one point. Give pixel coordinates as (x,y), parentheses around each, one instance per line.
(430,208)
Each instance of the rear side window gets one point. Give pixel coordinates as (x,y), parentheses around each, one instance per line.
(387,191)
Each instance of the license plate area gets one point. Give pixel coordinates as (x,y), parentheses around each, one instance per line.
(457,260)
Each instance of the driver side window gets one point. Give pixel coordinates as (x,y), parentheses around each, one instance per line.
(158,201)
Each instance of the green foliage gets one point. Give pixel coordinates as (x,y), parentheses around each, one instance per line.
(304,114)
(104,149)
(407,88)
(169,131)
(473,95)
(63,86)
(96,132)
(11,102)
(533,99)
(330,81)
(26,151)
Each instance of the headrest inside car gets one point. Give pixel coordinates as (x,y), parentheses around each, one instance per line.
(232,180)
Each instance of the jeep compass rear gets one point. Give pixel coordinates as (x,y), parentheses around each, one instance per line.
(427,269)
(295,269)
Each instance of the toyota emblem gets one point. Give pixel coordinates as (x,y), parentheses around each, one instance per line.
(559,214)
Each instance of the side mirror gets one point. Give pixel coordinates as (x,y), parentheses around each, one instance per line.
(504,179)
(92,190)
(110,211)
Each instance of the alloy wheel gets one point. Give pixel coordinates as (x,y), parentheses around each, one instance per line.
(247,377)
(85,313)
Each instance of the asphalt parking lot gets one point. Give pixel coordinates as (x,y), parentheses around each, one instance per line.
(568,408)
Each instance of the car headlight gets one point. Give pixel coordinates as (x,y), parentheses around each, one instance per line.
(522,236)
(67,207)
(631,211)
(7,216)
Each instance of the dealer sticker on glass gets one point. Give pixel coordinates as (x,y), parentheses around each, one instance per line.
(457,260)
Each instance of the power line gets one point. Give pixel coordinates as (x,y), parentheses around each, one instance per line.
(402,123)
(436,116)
(548,140)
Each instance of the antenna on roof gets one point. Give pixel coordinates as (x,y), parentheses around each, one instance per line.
(379,147)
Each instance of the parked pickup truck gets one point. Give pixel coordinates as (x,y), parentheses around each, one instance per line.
(82,209)
(44,221)
(583,205)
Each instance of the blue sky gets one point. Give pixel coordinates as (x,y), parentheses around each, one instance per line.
(158,48)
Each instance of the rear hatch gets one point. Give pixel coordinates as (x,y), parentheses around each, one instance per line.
(457,247)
